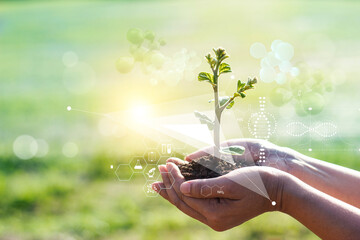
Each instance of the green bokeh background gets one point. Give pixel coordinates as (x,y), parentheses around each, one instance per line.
(55,197)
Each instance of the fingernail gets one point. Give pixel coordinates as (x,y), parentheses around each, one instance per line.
(154,187)
(169,166)
(185,188)
(162,168)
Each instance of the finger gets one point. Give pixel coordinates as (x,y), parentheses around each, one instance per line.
(220,187)
(177,161)
(175,200)
(203,206)
(159,187)
(176,178)
(165,178)
(256,150)
(252,150)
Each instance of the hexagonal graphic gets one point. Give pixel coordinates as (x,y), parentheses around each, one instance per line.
(124,172)
(151,156)
(206,190)
(149,192)
(151,172)
(281,154)
(166,148)
(162,160)
(272,156)
(138,164)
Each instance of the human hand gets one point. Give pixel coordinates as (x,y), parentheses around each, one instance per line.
(257,152)
(230,201)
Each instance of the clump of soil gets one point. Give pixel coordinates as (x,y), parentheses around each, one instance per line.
(208,167)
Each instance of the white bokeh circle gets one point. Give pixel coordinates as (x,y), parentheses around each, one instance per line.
(43,148)
(70,149)
(25,147)
(70,59)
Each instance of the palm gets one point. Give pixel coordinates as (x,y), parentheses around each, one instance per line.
(257,152)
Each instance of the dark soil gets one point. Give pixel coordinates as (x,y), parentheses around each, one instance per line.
(208,167)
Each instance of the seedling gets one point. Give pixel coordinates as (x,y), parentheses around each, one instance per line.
(219,67)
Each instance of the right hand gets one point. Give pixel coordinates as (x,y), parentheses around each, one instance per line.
(277,157)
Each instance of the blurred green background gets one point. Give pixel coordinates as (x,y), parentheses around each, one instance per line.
(68,189)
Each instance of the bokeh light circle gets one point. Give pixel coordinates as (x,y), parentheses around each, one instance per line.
(267,74)
(294,71)
(284,51)
(43,148)
(70,149)
(275,43)
(25,147)
(285,66)
(70,59)
(281,78)
(257,50)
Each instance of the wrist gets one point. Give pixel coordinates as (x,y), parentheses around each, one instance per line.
(300,166)
(291,194)
(275,181)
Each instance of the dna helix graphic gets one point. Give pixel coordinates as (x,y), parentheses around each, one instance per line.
(322,129)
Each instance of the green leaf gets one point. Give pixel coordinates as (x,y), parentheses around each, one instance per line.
(240,85)
(223,100)
(210,60)
(231,104)
(224,68)
(221,54)
(252,81)
(236,94)
(243,95)
(223,58)
(210,125)
(201,115)
(204,120)
(204,76)
(233,150)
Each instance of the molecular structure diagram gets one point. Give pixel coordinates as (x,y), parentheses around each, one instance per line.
(145,51)
(262,124)
(322,129)
(275,65)
(207,190)
(147,166)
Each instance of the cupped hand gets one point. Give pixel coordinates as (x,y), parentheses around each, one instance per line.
(226,201)
(257,152)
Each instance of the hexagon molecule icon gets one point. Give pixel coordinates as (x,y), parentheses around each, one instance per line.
(124,172)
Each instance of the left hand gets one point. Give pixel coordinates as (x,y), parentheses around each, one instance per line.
(226,201)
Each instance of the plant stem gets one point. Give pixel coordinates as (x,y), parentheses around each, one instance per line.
(217,123)
(217,112)
(226,104)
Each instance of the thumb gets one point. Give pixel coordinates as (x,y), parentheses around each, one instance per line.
(219,187)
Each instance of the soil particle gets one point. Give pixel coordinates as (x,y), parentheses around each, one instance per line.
(208,167)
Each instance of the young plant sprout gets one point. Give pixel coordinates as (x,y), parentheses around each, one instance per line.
(209,166)
(219,67)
